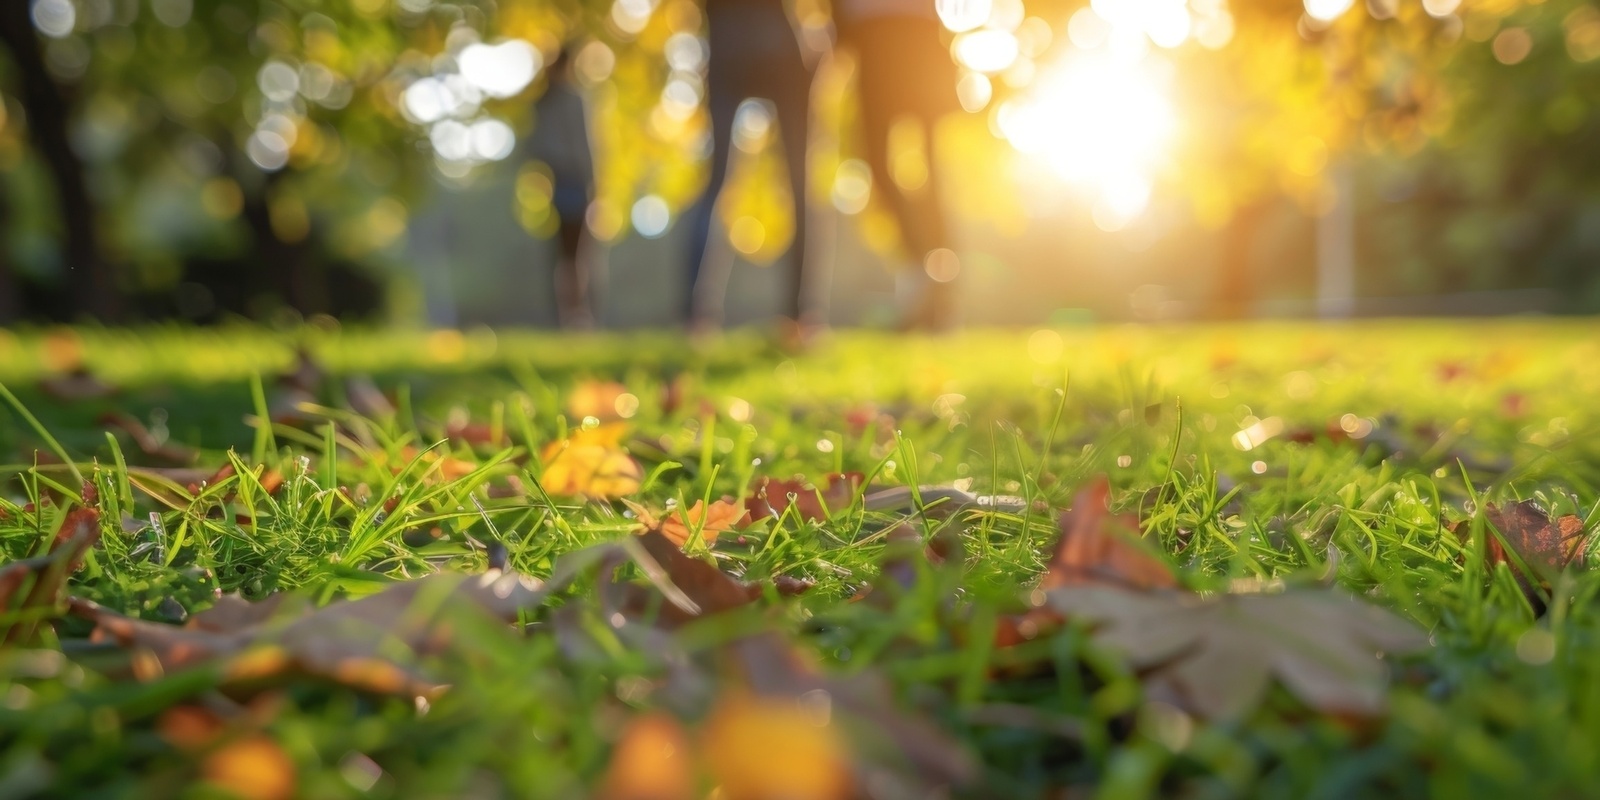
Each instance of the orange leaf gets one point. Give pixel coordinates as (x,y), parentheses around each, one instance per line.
(652,761)
(762,747)
(713,520)
(189,727)
(253,768)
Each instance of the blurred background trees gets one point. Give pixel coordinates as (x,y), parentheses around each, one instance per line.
(199,159)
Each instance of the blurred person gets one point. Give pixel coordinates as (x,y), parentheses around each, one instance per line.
(560,140)
(904,72)
(756,52)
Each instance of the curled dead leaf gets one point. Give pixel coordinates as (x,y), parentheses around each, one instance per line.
(813,502)
(1546,545)
(30,589)
(709,589)
(156,447)
(1098,547)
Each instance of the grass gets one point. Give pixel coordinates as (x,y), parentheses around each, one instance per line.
(1452,416)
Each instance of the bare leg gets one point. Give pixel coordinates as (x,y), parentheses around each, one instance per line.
(572,277)
(710,262)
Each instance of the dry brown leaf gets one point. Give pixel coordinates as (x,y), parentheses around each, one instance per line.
(30,589)
(771,498)
(1098,547)
(372,643)
(1216,657)
(708,587)
(1547,546)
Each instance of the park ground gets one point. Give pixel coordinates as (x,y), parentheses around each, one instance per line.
(1300,560)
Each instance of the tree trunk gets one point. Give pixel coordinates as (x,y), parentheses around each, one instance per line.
(1336,248)
(89,281)
(10,290)
(291,265)
(1236,285)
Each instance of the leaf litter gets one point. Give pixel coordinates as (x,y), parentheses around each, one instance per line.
(1216,656)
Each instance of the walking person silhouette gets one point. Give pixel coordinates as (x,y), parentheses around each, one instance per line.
(756,52)
(560,140)
(904,72)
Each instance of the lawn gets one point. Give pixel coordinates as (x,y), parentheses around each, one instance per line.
(1296,563)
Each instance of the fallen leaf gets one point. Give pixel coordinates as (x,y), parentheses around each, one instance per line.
(1545,545)
(860,706)
(371,644)
(30,589)
(718,518)
(772,497)
(762,747)
(251,768)
(464,431)
(1548,546)
(189,727)
(1098,547)
(778,684)
(591,462)
(653,760)
(710,589)
(1216,657)
(450,468)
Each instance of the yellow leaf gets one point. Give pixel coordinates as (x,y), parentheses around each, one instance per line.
(591,462)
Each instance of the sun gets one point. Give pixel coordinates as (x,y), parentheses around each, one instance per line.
(1099,122)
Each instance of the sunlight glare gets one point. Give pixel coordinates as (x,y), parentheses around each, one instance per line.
(987,50)
(1327,10)
(1099,123)
(963,15)
(500,70)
